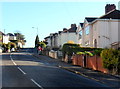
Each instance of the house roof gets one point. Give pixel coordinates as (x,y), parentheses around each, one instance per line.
(90,19)
(81,24)
(72,29)
(10,34)
(47,37)
(55,34)
(59,32)
(2,33)
(114,14)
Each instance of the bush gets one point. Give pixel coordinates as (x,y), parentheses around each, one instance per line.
(42,44)
(80,53)
(11,45)
(111,60)
(98,51)
(88,53)
(85,53)
(4,46)
(69,49)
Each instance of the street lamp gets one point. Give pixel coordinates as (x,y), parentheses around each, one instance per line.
(36,29)
(4,31)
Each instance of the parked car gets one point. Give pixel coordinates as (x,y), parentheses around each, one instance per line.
(13,50)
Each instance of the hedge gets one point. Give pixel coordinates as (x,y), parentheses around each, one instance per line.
(69,49)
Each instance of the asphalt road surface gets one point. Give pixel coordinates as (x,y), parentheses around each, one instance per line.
(22,70)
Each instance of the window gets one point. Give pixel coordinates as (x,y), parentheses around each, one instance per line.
(80,34)
(87,30)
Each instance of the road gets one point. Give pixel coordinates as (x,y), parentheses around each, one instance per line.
(22,70)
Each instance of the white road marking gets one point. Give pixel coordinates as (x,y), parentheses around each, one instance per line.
(16,64)
(36,83)
(25,73)
(12,60)
(21,70)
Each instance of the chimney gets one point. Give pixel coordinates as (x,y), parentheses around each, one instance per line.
(109,7)
(64,29)
(73,25)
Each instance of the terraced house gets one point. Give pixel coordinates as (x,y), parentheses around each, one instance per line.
(98,32)
(102,32)
(56,40)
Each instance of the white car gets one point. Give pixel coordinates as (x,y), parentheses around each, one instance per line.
(13,50)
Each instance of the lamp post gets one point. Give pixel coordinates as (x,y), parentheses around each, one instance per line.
(4,31)
(37,38)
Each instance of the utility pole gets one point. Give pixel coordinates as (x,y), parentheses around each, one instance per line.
(4,31)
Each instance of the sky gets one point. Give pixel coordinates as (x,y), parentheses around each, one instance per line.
(48,17)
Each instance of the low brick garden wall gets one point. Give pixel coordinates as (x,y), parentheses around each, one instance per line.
(94,62)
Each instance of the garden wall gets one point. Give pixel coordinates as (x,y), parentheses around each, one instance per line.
(94,62)
(53,54)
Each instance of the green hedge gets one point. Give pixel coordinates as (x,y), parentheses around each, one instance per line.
(69,48)
(75,48)
(85,53)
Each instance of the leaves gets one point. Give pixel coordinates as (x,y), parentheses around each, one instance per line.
(111,58)
(36,41)
(42,44)
(20,38)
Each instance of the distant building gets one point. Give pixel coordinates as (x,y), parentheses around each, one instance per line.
(11,36)
(6,39)
(19,44)
(56,40)
(70,34)
(47,39)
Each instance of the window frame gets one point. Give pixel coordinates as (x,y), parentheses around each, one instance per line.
(87,30)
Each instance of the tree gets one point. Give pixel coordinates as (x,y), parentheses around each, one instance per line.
(42,44)
(20,38)
(4,46)
(11,45)
(36,41)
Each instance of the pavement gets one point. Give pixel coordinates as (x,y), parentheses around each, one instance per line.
(111,80)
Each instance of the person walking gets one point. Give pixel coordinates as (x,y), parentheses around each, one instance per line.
(40,50)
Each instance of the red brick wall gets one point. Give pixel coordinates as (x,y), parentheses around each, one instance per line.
(94,62)
(77,60)
(100,65)
(80,60)
(91,62)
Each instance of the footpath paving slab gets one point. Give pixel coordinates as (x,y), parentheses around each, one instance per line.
(110,80)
